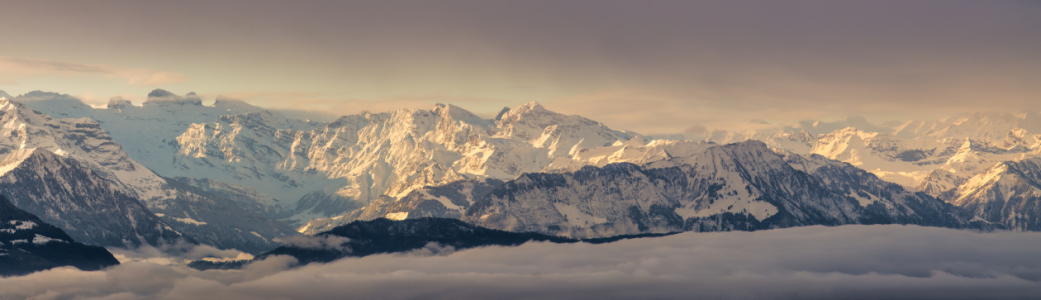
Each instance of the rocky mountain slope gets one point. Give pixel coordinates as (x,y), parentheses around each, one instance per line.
(1008,193)
(28,244)
(88,207)
(83,144)
(444,201)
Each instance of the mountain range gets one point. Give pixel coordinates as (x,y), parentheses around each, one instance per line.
(173,170)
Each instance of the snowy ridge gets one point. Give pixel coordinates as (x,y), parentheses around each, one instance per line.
(977,126)
(739,186)
(1007,193)
(81,139)
(357,158)
(963,160)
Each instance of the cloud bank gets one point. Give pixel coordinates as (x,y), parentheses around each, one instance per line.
(848,262)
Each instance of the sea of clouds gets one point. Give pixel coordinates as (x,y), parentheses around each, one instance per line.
(846,262)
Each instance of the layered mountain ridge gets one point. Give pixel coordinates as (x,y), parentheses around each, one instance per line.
(235,175)
(742,186)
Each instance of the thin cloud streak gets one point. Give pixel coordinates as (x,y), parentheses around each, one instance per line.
(847,262)
(13,68)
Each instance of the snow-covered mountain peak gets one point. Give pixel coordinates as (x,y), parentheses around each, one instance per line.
(978,126)
(118,103)
(530,107)
(531,114)
(163,97)
(823,127)
(1002,175)
(459,114)
(751,157)
(229,104)
(501,113)
(1007,193)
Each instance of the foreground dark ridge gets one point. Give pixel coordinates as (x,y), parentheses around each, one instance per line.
(363,238)
(27,244)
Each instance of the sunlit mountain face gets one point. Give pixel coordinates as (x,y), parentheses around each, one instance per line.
(538,149)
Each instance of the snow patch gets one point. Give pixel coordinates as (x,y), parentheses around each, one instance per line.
(864,202)
(398,216)
(189,221)
(444,200)
(39,240)
(23,225)
(759,209)
(575,217)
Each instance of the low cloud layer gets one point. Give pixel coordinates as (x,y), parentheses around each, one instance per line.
(848,262)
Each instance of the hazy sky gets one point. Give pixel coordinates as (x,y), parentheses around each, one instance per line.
(649,66)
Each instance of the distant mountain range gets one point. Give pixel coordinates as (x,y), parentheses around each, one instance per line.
(741,186)
(232,175)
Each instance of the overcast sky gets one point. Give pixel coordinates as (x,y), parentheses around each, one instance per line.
(649,66)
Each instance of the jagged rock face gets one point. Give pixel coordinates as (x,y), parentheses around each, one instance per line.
(88,207)
(360,157)
(445,201)
(28,244)
(1009,193)
(743,186)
